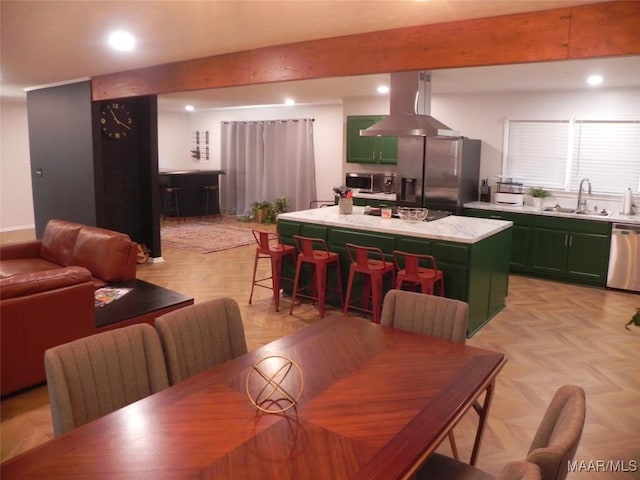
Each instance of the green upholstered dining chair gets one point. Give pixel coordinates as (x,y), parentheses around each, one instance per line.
(426,315)
(201,336)
(93,376)
(553,447)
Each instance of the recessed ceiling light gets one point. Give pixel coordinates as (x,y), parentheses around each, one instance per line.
(595,80)
(289,101)
(122,41)
(189,108)
(383,89)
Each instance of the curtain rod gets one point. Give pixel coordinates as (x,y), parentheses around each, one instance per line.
(270,121)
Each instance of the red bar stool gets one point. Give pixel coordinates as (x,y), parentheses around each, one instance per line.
(409,270)
(319,259)
(370,263)
(269,246)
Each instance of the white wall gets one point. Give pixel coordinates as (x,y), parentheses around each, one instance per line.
(483,116)
(16,200)
(174,141)
(327,130)
(474,115)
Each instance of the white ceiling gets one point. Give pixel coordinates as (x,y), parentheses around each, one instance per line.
(44,42)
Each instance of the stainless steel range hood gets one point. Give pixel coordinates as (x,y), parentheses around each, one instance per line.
(410,108)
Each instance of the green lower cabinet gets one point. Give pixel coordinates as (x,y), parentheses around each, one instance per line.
(549,251)
(588,257)
(579,256)
(562,248)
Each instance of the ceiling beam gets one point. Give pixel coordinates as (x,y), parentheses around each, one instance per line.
(595,30)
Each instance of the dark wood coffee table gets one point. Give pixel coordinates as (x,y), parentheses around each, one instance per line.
(143,304)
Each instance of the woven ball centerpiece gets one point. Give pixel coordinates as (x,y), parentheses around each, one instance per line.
(274,384)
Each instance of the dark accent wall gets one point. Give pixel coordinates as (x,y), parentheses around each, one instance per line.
(126,178)
(79,174)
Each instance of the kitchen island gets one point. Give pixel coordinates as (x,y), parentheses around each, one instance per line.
(473,253)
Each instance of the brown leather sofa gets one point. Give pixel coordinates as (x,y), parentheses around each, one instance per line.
(47,293)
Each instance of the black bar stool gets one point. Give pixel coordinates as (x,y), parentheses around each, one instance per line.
(210,202)
(171,202)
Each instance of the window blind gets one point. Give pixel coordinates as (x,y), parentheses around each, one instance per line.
(558,154)
(537,152)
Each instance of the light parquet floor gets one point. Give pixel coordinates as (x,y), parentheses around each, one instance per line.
(552,334)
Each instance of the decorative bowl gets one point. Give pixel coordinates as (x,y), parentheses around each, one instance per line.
(410,214)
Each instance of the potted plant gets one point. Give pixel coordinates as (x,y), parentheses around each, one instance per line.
(261,211)
(537,195)
(279,205)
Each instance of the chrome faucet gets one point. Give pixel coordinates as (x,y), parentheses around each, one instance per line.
(582,204)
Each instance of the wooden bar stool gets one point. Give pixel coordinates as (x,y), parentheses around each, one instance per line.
(319,259)
(171,202)
(369,262)
(409,270)
(209,200)
(269,246)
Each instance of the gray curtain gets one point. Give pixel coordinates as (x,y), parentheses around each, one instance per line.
(265,160)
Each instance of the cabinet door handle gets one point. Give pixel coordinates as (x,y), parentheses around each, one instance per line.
(566,239)
(570,240)
(380,156)
(373,156)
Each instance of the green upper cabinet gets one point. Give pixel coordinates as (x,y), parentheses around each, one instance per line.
(376,150)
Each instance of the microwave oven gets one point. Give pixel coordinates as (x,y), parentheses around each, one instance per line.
(365,182)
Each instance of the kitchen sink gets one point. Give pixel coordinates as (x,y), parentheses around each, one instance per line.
(582,213)
(603,213)
(560,210)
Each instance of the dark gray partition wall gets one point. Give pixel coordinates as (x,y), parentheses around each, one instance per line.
(61,149)
(80,174)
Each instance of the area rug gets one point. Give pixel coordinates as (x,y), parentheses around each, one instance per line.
(204,237)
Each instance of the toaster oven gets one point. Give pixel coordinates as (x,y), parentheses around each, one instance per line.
(365,182)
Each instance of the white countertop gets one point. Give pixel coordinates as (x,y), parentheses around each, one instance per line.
(613,218)
(451,228)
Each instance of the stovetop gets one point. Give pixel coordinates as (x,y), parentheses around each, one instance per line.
(431,216)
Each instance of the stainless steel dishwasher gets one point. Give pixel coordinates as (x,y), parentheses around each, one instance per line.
(624,257)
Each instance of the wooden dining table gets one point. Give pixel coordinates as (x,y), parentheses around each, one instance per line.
(375,403)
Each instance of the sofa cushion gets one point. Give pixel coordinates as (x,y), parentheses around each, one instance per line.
(58,241)
(18,266)
(104,252)
(30,283)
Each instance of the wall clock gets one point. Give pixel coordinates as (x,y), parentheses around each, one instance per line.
(115,120)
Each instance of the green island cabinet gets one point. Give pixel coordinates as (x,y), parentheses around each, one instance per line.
(374,150)
(519,237)
(562,248)
(477,273)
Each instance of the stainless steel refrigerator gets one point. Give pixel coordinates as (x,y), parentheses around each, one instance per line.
(439,173)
